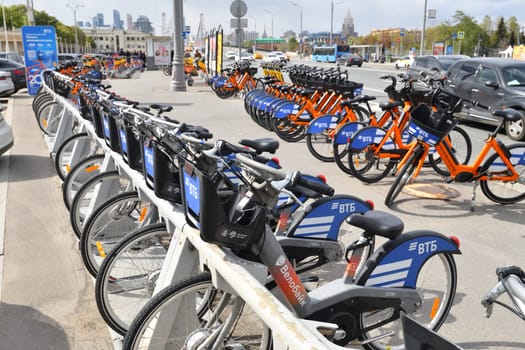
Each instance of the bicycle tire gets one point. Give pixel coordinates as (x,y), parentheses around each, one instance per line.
(499,191)
(129,273)
(436,283)
(81,173)
(461,148)
(64,165)
(320,146)
(365,164)
(43,116)
(81,208)
(341,149)
(199,297)
(404,175)
(288,131)
(110,223)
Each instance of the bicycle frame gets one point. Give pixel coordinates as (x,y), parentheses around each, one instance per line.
(471,171)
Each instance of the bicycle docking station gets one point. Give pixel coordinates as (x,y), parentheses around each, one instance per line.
(188,253)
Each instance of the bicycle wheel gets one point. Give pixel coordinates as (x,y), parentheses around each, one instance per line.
(320,145)
(404,175)
(79,175)
(500,191)
(368,165)
(127,277)
(81,143)
(196,313)
(110,183)
(341,144)
(48,118)
(460,146)
(112,221)
(436,285)
(287,130)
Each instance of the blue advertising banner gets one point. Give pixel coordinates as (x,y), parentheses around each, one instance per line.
(40,51)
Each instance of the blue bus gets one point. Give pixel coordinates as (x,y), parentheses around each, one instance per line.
(329,53)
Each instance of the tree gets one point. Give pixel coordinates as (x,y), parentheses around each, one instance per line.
(293,44)
(500,36)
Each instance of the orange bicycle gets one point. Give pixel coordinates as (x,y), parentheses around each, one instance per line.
(500,173)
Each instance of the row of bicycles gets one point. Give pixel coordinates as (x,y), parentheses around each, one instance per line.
(122,163)
(415,128)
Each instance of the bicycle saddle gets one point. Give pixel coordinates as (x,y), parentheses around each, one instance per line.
(379,223)
(261,145)
(509,114)
(390,105)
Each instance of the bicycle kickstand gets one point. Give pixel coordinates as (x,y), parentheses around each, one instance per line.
(473,198)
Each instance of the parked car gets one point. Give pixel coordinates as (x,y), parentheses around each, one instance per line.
(17,70)
(432,64)
(245,57)
(282,56)
(350,60)
(403,62)
(230,55)
(69,57)
(7,87)
(271,57)
(13,56)
(6,134)
(488,84)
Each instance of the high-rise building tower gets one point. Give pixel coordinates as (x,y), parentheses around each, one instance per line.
(129,22)
(348,26)
(98,20)
(117,22)
(143,24)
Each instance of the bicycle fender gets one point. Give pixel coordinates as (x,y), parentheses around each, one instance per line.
(346,132)
(322,123)
(286,109)
(397,263)
(326,216)
(369,136)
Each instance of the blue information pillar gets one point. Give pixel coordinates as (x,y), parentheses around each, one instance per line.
(40,52)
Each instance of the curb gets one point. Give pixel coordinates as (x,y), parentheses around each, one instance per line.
(4,178)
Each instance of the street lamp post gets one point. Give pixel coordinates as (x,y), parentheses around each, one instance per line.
(255,35)
(332,20)
(423,32)
(75,8)
(5,29)
(300,29)
(271,39)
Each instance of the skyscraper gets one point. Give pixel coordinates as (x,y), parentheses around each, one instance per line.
(98,20)
(117,22)
(143,24)
(129,22)
(348,26)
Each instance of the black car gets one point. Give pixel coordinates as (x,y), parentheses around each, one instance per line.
(350,60)
(432,65)
(18,72)
(489,84)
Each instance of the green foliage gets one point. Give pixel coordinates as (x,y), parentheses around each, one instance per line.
(479,38)
(16,17)
(293,44)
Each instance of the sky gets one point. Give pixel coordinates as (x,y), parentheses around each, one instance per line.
(316,14)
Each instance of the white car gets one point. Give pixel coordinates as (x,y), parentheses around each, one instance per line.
(7,87)
(282,56)
(245,57)
(230,55)
(403,62)
(271,57)
(6,134)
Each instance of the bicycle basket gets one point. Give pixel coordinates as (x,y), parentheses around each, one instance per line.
(429,126)
(130,145)
(214,209)
(253,70)
(110,130)
(160,171)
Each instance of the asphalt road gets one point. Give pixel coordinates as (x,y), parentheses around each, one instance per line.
(491,236)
